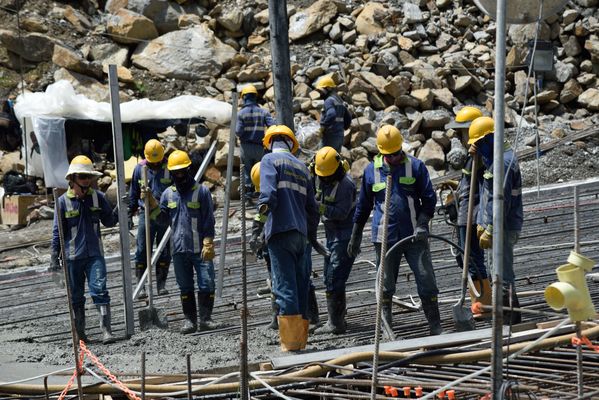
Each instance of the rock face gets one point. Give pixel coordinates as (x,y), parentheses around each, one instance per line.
(312,19)
(193,53)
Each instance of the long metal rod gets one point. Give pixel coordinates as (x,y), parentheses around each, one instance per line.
(498,173)
(168,232)
(579,359)
(144,174)
(379,292)
(243,342)
(75,338)
(119,162)
(576,221)
(225,226)
(188,368)
(143,375)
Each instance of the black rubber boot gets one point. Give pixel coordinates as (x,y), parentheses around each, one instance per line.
(336,310)
(161,275)
(511,317)
(387,309)
(431,312)
(274,323)
(313,307)
(188,302)
(79,311)
(205,305)
(139,272)
(104,310)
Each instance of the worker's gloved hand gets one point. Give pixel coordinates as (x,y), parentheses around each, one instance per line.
(449,184)
(486,239)
(479,231)
(421,231)
(208,249)
(257,240)
(54,262)
(473,149)
(146,192)
(322,208)
(317,246)
(355,241)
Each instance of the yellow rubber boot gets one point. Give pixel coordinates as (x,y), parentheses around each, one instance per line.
(291,332)
(305,331)
(485,299)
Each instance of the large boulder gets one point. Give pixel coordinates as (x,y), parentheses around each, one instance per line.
(432,154)
(311,19)
(34,47)
(590,99)
(70,59)
(193,53)
(130,27)
(165,14)
(110,53)
(367,22)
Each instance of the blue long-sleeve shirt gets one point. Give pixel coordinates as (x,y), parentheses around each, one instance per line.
(512,204)
(463,193)
(335,116)
(337,205)
(158,181)
(189,212)
(286,188)
(252,122)
(81,222)
(412,194)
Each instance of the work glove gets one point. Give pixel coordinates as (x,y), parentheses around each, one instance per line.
(130,213)
(257,240)
(449,184)
(355,241)
(421,231)
(322,208)
(151,200)
(479,231)
(208,249)
(486,238)
(54,262)
(317,246)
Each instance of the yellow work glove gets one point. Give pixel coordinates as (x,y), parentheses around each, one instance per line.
(479,231)
(486,239)
(147,192)
(449,184)
(208,249)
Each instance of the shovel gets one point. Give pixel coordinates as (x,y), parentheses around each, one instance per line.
(149,317)
(462,316)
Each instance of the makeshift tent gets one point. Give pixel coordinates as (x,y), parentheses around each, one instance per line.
(59,114)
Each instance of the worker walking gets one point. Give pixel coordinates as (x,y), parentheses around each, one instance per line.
(82,209)
(289,214)
(411,207)
(335,117)
(336,198)
(252,122)
(481,142)
(187,207)
(477,267)
(158,180)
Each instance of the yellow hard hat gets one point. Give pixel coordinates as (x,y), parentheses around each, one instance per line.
(326,82)
(389,139)
(326,161)
(248,89)
(81,165)
(464,118)
(255,174)
(178,160)
(275,130)
(154,151)
(480,128)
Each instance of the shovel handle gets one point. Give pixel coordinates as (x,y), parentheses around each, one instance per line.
(467,246)
(144,177)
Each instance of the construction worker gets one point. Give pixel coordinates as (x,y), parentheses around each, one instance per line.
(252,121)
(411,208)
(81,211)
(289,214)
(336,198)
(158,180)
(477,268)
(481,142)
(335,118)
(187,207)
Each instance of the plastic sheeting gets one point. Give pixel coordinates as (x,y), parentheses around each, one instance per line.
(61,100)
(53,148)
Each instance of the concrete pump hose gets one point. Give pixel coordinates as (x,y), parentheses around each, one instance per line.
(311,371)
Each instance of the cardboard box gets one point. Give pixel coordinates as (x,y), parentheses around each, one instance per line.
(14,208)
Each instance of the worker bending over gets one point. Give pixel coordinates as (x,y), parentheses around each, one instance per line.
(158,180)
(481,142)
(411,207)
(187,207)
(82,209)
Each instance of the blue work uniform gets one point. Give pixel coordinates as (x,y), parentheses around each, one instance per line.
(512,207)
(334,121)
(158,181)
(477,269)
(188,209)
(252,122)
(412,195)
(286,189)
(83,242)
(336,207)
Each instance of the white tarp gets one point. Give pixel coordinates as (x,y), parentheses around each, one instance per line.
(53,148)
(60,100)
